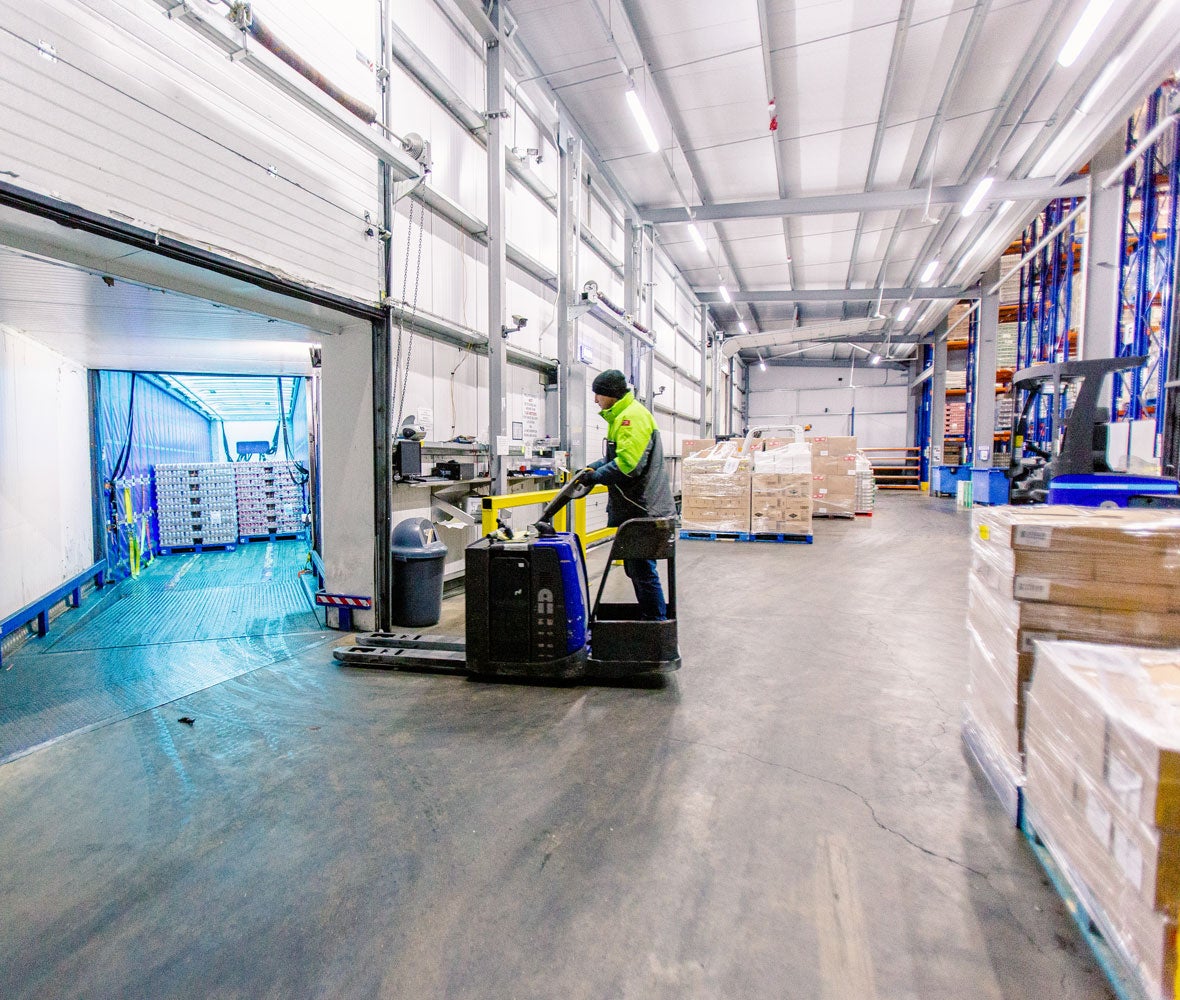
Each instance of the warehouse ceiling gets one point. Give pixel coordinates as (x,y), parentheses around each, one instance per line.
(109,322)
(884,104)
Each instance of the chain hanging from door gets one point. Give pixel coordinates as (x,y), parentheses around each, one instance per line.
(400,397)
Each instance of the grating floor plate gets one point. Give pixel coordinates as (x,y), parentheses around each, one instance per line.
(188,622)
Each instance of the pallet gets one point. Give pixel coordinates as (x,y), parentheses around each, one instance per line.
(273,536)
(1086,914)
(833,517)
(742,536)
(167,550)
(770,536)
(864,513)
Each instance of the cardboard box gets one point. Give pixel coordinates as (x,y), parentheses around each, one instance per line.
(825,447)
(833,485)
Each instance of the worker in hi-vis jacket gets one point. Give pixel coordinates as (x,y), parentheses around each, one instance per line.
(633,469)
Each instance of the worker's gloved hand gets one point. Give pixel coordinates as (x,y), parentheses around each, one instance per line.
(588,475)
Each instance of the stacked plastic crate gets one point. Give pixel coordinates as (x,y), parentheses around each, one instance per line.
(270,498)
(196,504)
(866,484)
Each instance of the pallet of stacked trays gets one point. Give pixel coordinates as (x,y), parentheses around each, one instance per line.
(196,506)
(271,500)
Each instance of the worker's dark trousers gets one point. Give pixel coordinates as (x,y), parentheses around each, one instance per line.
(645,578)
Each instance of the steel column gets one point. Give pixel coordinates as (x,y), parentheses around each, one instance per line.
(571,373)
(938,397)
(1104,237)
(383,373)
(982,404)
(497,259)
(703,319)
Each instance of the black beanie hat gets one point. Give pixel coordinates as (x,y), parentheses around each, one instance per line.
(611,382)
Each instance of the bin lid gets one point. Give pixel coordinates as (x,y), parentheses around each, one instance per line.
(415,538)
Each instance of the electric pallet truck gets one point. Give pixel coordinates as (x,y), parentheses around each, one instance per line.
(528,613)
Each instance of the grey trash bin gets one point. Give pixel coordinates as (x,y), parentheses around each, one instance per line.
(419,558)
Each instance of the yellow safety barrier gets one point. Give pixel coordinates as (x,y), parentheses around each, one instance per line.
(493,505)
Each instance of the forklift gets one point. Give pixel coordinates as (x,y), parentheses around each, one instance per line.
(528,612)
(1073,467)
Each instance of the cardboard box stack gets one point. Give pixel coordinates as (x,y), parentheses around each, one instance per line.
(1103,791)
(780,489)
(833,476)
(715,487)
(956,418)
(1045,573)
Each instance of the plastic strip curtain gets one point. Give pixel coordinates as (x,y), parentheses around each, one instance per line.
(164,429)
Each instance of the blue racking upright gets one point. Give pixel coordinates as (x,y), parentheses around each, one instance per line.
(1147,262)
(922,425)
(1045,332)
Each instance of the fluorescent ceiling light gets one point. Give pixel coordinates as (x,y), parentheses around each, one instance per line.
(742,326)
(905,311)
(724,293)
(697,238)
(976,198)
(929,272)
(640,116)
(1082,31)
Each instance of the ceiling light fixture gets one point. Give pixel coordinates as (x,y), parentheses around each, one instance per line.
(875,359)
(742,326)
(724,293)
(976,198)
(928,273)
(901,316)
(641,119)
(761,364)
(1087,24)
(697,238)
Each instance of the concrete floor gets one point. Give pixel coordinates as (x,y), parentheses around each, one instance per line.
(791,817)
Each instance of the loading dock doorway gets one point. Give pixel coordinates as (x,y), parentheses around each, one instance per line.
(197,488)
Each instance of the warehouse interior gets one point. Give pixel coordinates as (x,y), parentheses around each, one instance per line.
(311,320)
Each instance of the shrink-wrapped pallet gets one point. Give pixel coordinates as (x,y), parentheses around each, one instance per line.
(715,488)
(1103,791)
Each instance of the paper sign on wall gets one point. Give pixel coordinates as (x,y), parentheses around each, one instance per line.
(426,420)
(531,414)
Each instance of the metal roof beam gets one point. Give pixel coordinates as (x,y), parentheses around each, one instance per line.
(842,294)
(831,363)
(1037,189)
(780,169)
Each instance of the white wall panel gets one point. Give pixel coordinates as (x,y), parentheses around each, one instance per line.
(825,398)
(46,531)
(139,118)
